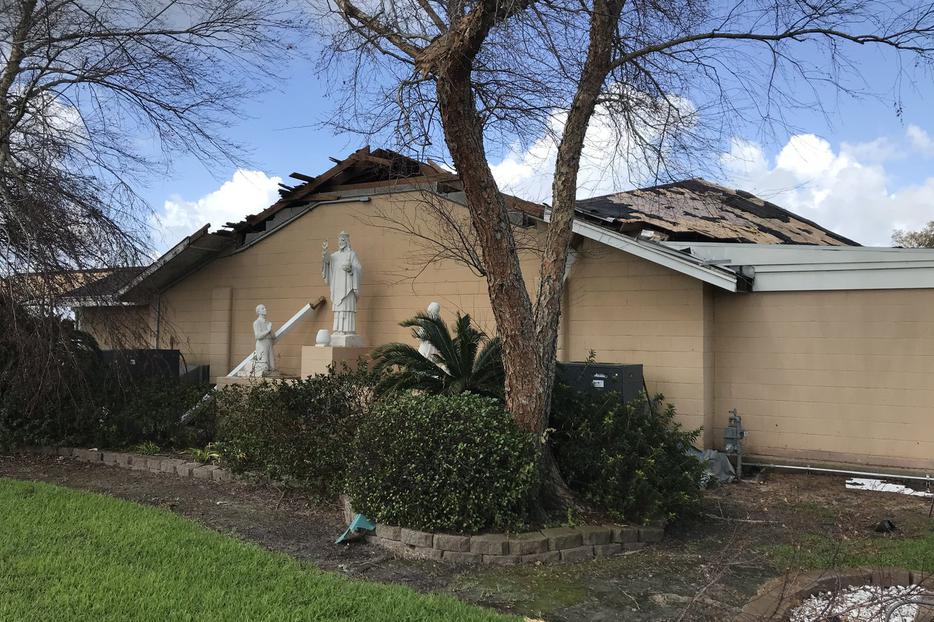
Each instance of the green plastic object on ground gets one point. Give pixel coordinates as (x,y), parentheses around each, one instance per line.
(359,522)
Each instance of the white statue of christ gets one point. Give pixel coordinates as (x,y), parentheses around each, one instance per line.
(343,272)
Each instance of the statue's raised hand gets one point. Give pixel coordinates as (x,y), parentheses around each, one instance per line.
(324,247)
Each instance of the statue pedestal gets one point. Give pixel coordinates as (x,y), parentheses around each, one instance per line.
(315,359)
(347,340)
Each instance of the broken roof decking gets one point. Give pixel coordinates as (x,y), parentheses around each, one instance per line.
(697,210)
(361,169)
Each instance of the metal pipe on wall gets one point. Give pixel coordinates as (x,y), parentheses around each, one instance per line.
(158,318)
(927,478)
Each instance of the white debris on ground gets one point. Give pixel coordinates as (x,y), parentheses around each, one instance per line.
(877,485)
(858,603)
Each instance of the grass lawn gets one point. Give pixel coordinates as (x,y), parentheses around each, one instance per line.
(67,555)
(819,553)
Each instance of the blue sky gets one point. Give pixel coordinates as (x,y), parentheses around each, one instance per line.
(862,172)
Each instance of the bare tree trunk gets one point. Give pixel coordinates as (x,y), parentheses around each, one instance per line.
(528,363)
(512,307)
(509,298)
(564,188)
(12,68)
(529,333)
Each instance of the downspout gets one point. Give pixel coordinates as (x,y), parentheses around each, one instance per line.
(566,306)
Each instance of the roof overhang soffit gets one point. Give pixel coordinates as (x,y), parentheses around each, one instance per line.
(183,258)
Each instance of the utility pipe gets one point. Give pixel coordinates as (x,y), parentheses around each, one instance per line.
(926,478)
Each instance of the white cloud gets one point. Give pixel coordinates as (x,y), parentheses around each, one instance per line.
(604,167)
(920,139)
(847,190)
(246,192)
(807,157)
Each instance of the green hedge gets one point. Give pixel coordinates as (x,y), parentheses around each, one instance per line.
(298,431)
(150,410)
(56,388)
(627,459)
(97,406)
(443,462)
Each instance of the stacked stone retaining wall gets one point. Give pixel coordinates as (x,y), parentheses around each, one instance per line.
(559,544)
(140,462)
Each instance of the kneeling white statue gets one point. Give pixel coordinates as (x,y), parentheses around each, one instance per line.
(264,357)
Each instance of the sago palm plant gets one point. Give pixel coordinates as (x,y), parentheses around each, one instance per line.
(467,361)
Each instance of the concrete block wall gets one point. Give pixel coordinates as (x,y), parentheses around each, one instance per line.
(561,544)
(838,377)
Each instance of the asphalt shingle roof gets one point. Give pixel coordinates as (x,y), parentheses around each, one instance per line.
(697,210)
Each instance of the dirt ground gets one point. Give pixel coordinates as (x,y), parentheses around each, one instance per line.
(704,570)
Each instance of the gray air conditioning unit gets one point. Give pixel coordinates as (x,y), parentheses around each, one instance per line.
(604,377)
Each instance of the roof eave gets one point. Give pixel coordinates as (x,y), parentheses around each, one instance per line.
(661,255)
(821,268)
(100,301)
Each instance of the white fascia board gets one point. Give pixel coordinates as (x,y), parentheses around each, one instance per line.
(816,268)
(843,266)
(852,279)
(658,254)
(797,254)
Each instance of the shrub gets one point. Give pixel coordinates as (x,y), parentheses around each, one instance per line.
(48,376)
(300,432)
(147,411)
(627,459)
(443,462)
(465,360)
(98,406)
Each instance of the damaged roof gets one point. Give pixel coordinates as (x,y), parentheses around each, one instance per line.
(361,169)
(696,210)
(102,283)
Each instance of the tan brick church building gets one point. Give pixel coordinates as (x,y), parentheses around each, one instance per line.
(825,347)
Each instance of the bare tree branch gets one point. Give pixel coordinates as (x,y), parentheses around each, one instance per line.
(95,99)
